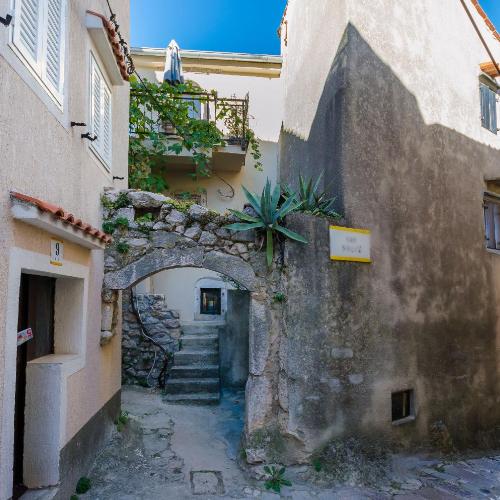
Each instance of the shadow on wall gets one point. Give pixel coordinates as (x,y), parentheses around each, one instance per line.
(423,315)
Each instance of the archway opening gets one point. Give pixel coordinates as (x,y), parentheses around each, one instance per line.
(186,331)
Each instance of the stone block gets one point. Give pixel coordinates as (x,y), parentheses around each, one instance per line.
(243,236)
(164,239)
(126,213)
(107,316)
(176,218)
(207,238)
(342,353)
(193,232)
(223,233)
(355,378)
(144,199)
(197,212)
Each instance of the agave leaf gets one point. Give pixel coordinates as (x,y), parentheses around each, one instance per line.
(254,201)
(290,234)
(267,469)
(286,482)
(282,471)
(269,247)
(288,206)
(244,216)
(276,198)
(244,226)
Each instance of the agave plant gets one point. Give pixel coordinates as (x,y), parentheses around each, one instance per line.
(312,200)
(269,216)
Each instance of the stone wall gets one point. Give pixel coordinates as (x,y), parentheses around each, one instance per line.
(142,360)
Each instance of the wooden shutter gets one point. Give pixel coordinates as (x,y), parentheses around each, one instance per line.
(493,111)
(107,122)
(27,30)
(54,47)
(485,106)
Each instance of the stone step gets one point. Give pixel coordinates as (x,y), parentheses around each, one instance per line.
(200,398)
(192,385)
(200,341)
(203,327)
(196,357)
(194,371)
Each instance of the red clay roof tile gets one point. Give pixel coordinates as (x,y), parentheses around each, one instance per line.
(64,216)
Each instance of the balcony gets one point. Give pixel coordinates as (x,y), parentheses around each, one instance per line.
(209,107)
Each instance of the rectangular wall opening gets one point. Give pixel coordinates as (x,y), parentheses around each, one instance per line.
(402,405)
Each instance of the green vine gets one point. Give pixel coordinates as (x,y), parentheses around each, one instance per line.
(159,108)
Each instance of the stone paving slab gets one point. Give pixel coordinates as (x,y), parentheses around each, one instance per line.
(172,452)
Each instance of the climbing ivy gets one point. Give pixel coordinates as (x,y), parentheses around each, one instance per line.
(153,108)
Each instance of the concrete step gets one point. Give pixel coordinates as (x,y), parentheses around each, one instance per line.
(194,371)
(196,357)
(210,341)
(200,398)
(192,385)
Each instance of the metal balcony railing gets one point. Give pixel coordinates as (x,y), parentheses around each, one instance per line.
(229,115)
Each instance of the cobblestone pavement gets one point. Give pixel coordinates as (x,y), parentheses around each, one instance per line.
(170,452)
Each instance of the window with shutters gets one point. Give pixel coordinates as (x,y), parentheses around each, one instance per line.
(100,113)
(38,34)
(491,206)
(489,99)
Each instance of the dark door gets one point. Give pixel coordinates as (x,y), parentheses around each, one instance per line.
(36,311)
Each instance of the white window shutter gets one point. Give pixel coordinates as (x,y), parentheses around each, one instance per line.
(53,55)
(96,108)
(27,30)
(106,132)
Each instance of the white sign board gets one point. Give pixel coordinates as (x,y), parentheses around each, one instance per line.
(349,244)
(56,252)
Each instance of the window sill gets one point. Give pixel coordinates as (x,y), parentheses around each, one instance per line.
(493,251)
(403,421)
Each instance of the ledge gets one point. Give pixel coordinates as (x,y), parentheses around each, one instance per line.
(30,214)
(109,50)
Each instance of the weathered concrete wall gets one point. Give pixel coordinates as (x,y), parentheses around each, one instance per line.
(399,138)
(142,361)
(233,340)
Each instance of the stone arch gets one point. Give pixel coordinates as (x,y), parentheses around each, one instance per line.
(163,259)
(176,235)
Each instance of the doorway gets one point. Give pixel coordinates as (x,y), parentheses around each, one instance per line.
(36,311)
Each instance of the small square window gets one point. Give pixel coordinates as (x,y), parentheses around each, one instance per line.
(210,301)
(402,405)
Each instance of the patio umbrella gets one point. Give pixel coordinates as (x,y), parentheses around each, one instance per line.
(173,65)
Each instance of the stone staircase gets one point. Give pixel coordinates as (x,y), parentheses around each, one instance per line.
(194,378)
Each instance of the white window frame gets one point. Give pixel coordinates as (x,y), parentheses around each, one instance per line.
(97,146)
(38,67)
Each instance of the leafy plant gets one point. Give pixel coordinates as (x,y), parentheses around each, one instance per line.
(311,199)
(73,497)
(108,227)
(122,222)
(279,297)
(83,485)
(122,421)
(144,218)
(276,479)
(122,201)
(122,247)
(158,108)
(269,217)
(318,466)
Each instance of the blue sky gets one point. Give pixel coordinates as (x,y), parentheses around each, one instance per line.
(221,25)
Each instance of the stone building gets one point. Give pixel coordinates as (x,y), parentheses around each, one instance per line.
(396,103)
(60,63)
